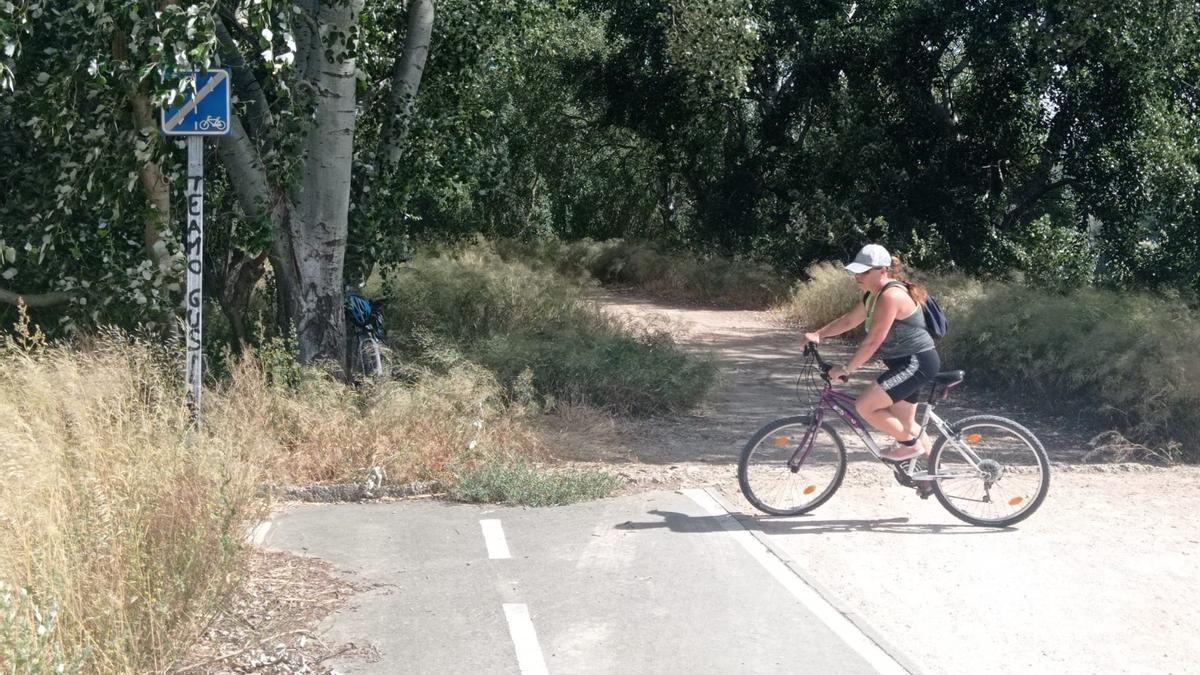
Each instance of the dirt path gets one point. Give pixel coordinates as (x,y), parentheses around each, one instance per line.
(1104,578)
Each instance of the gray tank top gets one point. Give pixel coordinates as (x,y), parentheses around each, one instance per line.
(907,336)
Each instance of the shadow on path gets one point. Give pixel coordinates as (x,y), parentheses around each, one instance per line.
(682,522)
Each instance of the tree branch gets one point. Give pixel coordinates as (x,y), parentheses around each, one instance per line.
(1031,197)
(158,192)
(37,300)
(246,85)
(406,80)
(245,167)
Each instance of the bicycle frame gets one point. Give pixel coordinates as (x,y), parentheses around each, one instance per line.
(842,405)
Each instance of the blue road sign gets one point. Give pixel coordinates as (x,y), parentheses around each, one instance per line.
(205,109)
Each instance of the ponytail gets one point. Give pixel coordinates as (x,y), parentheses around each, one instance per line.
(915,290)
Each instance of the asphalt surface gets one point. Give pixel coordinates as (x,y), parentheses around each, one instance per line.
(663,582)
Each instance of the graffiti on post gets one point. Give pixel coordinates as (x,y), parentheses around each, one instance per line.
(194,245)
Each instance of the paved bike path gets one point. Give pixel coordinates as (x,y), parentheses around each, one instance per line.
(663,582)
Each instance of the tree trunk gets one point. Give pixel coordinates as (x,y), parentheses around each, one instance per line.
(310,247)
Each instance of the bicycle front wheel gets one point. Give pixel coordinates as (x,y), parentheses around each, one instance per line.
(778,476)
(991,471)
(370,356)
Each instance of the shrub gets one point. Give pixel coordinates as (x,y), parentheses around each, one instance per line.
(1130,357)
(515,319)
(322,430)
(636,374)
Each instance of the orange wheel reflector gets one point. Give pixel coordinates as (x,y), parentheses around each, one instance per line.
(1015,500)
(782,440)
(810,489)
(974,438)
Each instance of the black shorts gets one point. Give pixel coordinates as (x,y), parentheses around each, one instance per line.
(907,374)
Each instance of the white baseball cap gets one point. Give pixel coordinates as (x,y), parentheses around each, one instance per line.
(871,255)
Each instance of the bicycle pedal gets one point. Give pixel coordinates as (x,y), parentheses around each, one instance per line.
(924,490)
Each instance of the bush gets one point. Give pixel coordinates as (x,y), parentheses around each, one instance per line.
(321,430)
(680,275)
(514,319)
(1129,357)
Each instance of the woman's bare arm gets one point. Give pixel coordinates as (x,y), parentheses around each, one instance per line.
(843,323)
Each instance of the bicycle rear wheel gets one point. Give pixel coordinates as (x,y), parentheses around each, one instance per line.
(772,486)
(991,471)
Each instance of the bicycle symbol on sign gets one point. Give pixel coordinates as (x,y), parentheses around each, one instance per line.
(212,122)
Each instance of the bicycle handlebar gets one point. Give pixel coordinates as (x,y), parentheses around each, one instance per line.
(811,350)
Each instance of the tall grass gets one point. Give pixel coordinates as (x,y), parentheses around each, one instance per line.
(319,429)
(533,328)
(124,527)
(826,294)
(120,529)
(681,275)
(1125,359)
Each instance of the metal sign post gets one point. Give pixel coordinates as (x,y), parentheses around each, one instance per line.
(204,112)
(194,243)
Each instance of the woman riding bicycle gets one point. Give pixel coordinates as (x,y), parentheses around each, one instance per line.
(897,334)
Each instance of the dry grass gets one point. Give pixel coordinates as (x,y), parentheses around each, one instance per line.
(678,275)
(827,294)
(121,530)
(321,430)
(124,528)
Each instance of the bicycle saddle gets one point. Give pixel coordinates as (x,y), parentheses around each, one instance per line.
(949,377)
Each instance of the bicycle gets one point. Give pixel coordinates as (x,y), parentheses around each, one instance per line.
(212,122)
(986,470)
(368,350)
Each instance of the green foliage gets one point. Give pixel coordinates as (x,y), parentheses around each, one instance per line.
(517,482)
(513,319)
(1033,138)
(1055,258)
(28,639)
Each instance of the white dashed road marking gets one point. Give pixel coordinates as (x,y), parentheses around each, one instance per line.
(524,637)
(879,659)
(493,536)
(259,535)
